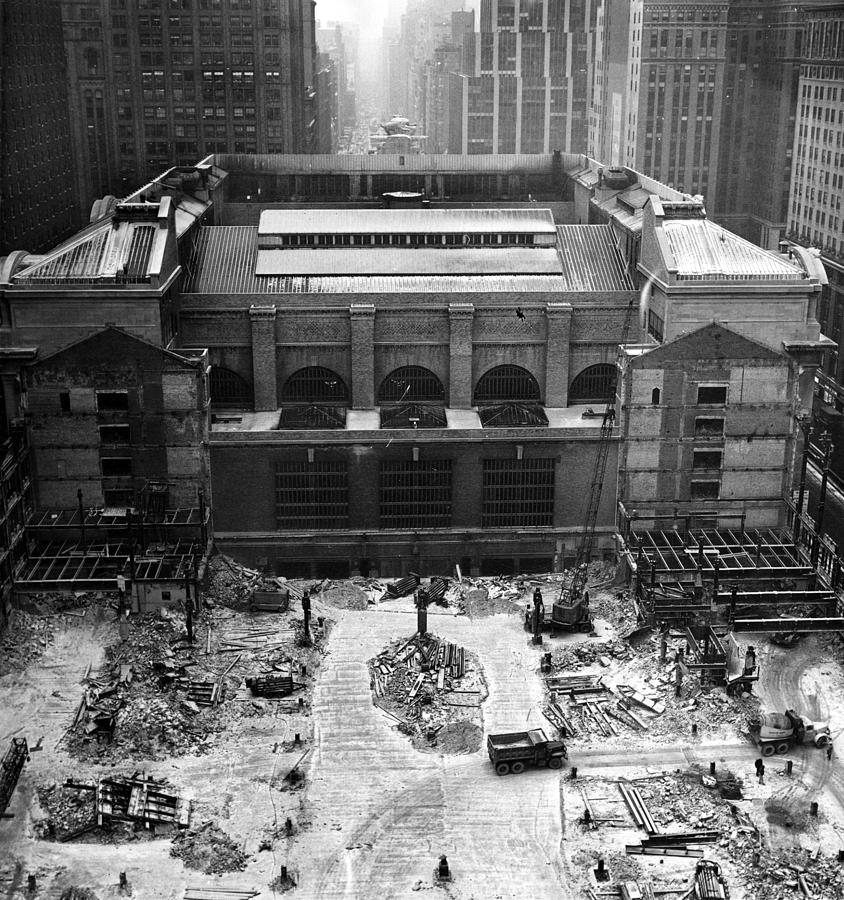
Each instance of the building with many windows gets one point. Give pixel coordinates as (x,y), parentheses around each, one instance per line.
(526,82)
(402,389)
(38,200)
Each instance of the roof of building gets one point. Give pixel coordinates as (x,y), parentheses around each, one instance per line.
(405,221)
(711,342)
(591,259)
(704,251)
(335,261)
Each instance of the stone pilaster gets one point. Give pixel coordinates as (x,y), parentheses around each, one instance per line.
(460,316)
(363,355)
(558,336)
(264,374)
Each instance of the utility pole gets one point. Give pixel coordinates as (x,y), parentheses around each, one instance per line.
(826,445)
(188,604)
(806,427)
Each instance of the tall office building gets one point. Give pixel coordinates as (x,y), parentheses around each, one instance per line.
(153,86)
(38,205)
(659,75)
(815,216)
(526,82)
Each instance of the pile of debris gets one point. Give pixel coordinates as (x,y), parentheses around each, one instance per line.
(231,584)
(25,639)
(208,849)
(426,684)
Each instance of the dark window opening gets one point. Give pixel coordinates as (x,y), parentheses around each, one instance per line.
(228,388)
(656,326)
(593,385)
(311,495)
(416,494)
(705,490)
(655,396)
(507,383)
(315,384)
(118,499)
(114,434)
(706,459)
(112,401)
(64,401)
(713,428)
(712,394)
(411,384)
(116,466)
(497,565)
(518,492)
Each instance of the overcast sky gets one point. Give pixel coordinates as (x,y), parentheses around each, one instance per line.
(367,13)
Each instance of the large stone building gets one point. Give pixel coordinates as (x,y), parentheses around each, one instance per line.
(407,388)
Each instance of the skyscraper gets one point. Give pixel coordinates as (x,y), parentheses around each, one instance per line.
(526,83)
(38,204)
(150,87)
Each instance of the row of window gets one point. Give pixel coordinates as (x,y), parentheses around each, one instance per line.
(413,384)
(397,240)
(415,494)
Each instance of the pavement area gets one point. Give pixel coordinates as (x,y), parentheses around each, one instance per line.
(375,814)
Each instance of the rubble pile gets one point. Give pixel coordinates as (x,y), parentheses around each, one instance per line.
(78,893)
(783,875)
(208,849)
(427,684)
(25,639)
(228,583)
(67,813)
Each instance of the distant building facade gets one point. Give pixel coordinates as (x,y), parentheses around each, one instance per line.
(39,203)
(526,83)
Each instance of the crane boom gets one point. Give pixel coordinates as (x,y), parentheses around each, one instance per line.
(571,592)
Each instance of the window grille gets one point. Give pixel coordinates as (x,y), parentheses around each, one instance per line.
(706,459)
(594,384)
(312,417)
(411,384)
(315,384)
(656,326)
(413,415)
(416,494)
(506,383)
(228,388)
(513,415)
(518,492)
(311,495)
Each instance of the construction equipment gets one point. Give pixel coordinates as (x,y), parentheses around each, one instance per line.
(513,751)
(779,732)
(709,883)
(570,617)
(569,612)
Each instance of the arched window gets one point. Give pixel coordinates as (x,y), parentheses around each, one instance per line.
(655,396)
(506,384)
(593,384)
(315,384)
(411,384)
(228,388)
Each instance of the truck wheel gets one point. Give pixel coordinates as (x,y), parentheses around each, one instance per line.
(517,768)
(782,748)
(768,749)
(502,769)
(822,740)
(555,763)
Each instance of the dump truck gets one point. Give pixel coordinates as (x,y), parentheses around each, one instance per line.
(709,882)
(513,751)
(779,732)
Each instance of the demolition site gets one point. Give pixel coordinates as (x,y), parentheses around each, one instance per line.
(437,526)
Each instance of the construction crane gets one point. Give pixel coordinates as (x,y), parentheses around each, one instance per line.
(571,610)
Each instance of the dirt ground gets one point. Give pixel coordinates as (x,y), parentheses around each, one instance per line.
(333,798)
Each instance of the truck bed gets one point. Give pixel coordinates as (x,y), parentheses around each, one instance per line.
(518,742)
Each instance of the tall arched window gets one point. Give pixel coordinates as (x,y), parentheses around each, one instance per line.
(411,384)
(228,388)
(506,384)
(315,384)
(593,384)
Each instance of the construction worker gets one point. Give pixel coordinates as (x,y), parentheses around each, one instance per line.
(829,750)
